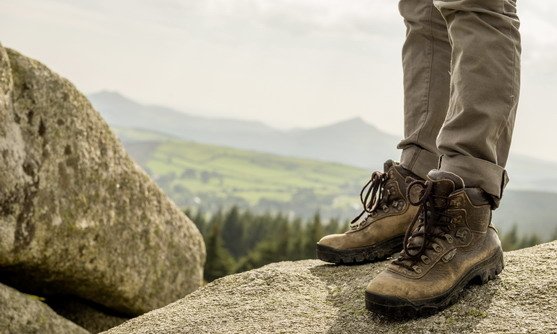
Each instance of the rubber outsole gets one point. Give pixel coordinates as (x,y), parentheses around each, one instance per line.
(402,308)
(360,255)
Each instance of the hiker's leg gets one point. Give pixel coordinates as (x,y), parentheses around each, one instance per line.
(426,60)
(475,138)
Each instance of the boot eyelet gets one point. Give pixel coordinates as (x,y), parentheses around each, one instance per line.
(463,234)
(426,259)
(385,208)
(437,248)
(417,269)
(449,238)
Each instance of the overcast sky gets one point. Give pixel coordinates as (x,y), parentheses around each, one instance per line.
(288,63)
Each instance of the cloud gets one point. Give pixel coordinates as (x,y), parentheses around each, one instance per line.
(246,21)
(286,62)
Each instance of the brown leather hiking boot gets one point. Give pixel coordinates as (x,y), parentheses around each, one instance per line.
(450,244)
(380,233)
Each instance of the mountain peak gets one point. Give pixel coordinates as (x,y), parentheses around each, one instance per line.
(354,120)
(351,125)
(357,121)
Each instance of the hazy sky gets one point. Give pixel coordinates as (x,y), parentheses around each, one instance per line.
(288,63)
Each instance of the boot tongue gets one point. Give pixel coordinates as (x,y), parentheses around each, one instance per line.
(404,173)
(445,183)
(387,165)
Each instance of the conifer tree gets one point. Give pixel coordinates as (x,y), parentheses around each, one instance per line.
(233,232)
(314,232)
(554,236)
(199,221)
(529,241)
(283,241)
(219,262)
(297,236)
(510,240)
(332,226)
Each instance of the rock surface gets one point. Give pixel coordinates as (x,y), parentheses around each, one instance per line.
(314,297)
(21,313)
(77,216)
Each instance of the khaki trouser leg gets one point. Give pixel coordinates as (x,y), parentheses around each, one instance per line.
(425,58)
(475,139)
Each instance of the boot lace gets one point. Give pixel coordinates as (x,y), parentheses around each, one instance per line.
(374,194)
(429,225)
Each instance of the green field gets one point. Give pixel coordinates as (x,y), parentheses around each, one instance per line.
(208,176)
(213,177)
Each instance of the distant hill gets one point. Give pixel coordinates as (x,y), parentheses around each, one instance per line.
(351,142)
(211,177)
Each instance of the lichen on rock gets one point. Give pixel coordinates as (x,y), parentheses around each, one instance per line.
(77,215)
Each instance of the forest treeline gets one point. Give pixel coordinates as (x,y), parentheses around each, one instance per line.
(238,239)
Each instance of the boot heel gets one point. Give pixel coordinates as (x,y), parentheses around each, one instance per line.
(493,268)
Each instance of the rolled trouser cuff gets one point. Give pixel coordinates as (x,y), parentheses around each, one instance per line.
(418,161)
(478,173)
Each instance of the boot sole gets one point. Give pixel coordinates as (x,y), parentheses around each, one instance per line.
(402,308)
(366,254)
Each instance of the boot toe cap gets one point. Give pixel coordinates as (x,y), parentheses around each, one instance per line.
(387,286)
(332,241)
